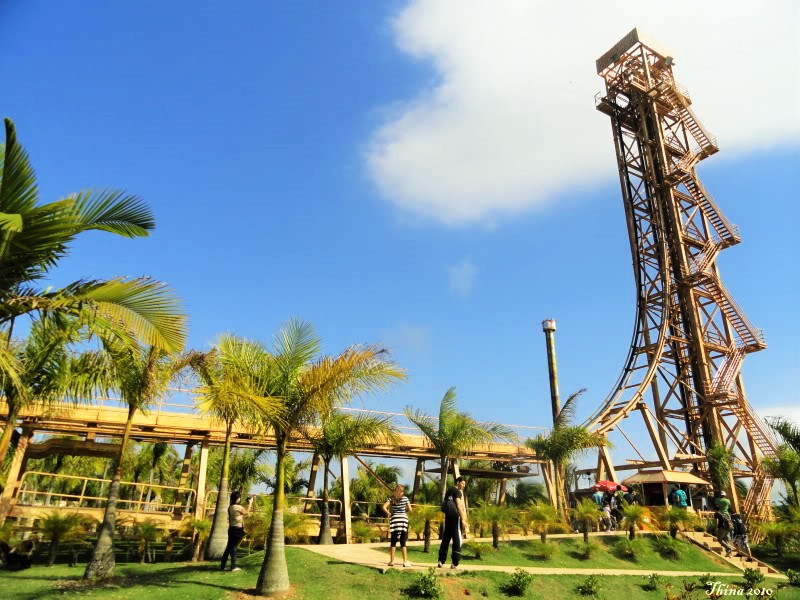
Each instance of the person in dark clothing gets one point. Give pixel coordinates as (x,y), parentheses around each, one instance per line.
(236,513)
(456,525)
(724,527)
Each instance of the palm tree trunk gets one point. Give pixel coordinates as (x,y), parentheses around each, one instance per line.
(101,564)
(51,556)
(273,579)
(218,540)
(11,425)
(325,519)
(586,531)
(443,481)
(495,536)
(427,536)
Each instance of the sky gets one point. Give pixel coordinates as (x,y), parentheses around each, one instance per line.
(427,175)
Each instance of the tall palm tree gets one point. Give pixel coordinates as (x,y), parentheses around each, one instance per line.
(785,465)
(48,371)
(787,430)
(140,378)
(563,443)
(308,387)
(454,433)
(340,435)
(224,397)
(34,237)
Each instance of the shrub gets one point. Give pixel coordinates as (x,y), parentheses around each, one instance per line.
(706,581)
(518,584)
(652,583)
(543,550)
(668,547)
(425,585)
(752,577)
(794,577)
(629,549)
(363,532)
(586,550)
(590,587)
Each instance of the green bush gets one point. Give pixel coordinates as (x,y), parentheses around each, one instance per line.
(364,532)
(668,547)
(479,550)
(794,577)
(425,585)
(629,549)
(585,551)
(653,581)
(590,587)
(752,577)
(518,584)
(543,550)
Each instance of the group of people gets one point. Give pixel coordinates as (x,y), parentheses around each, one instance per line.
(731,531)
(611,503)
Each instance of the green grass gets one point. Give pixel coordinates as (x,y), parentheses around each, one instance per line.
(790,560)
(314,577)
(517,553)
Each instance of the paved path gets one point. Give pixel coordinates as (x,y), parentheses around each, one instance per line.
(369,555)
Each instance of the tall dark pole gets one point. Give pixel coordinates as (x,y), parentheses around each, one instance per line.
(549,328)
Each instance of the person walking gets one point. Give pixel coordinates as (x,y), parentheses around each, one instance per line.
(456,525)
(236,513)
(398,507)
(723,522)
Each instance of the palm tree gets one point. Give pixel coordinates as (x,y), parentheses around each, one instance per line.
(785,465)
(160,454)
(221,396)
(198,530)
(338,436)
(147,532)
(632,516)
(720,464)
(141,378)
(564,442)
(454,433)
(422,518)
(542,516)
(57,526)
(677,519)
(588,514)
(35,237)
(307,388)
(246,469)
(787,430)
(498,518)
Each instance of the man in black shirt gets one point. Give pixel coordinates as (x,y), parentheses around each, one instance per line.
(455,522)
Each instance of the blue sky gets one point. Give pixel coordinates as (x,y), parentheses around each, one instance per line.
(411,174)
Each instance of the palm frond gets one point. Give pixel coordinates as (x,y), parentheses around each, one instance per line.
(567,413)
(113,211)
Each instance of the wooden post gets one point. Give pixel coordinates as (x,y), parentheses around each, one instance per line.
(312,481)
(346,518)
(200,495)
(15,472)
(417,479)
(501,492)
(177,509)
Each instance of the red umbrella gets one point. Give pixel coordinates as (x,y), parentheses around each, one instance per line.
(608,486)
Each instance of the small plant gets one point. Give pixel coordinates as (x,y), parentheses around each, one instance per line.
(543,550)
(480,550)
(706,581)
(362,532)
(587,549)
(794,577)
(590,587)
(629,549)
(653,581)
(752,577)
(668,547)
(425,585)
(518,584)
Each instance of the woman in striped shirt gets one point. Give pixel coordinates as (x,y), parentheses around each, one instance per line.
(398,522)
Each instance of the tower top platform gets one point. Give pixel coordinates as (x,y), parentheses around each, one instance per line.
(626,43)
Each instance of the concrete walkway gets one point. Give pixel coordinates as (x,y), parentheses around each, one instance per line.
(370,555)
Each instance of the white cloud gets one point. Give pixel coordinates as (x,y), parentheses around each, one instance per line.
(510,120)
(790,412)
(462,277)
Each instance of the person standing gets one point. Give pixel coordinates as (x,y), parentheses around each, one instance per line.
(680,499)
(456,525)
(398,507)
(723,522)
(236,513)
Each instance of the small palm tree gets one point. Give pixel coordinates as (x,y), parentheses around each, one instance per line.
(498,518)
(198,530)
(542,516)
(677,519)
(778,533)
(632,516)
(588,514)
(454,433)
(422,519)
(56,527)
(341,435)
(147,532)
(563,443)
